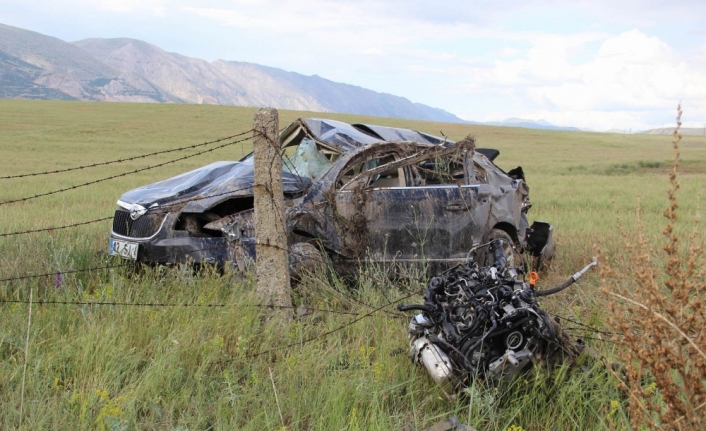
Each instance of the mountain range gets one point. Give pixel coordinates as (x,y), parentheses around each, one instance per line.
(531,124)
(36,66)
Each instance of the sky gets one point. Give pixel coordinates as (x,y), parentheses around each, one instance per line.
(594,64)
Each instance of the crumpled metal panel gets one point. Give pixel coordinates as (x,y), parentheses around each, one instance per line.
(205,187)
(340,135)
(393,134)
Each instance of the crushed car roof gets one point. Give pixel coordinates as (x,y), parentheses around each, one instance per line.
(344,137)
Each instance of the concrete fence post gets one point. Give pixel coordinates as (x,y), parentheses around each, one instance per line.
(272,266)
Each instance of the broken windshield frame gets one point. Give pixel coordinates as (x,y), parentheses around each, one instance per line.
(305,159)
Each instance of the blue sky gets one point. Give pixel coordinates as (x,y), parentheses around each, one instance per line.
(592,64)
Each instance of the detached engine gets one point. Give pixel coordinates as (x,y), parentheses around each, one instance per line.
(485,322)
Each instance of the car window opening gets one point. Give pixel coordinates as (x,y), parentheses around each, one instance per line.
(440,171)
(388,178)
(392,177)
(306,160)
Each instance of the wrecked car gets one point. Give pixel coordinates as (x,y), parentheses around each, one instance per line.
(352,192)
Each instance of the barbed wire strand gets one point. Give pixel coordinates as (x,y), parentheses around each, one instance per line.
(126,173)
(128,159)
(596,339)
(325,334)
(130,263)
(47,229)
(587,327)
(127,264)
(98,268)
(159,210)
(319,260)
(175,305)
(133,263)
(58,273)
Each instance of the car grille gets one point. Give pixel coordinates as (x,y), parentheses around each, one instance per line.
(143,227)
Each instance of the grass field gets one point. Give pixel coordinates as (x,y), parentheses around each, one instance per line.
(113,367)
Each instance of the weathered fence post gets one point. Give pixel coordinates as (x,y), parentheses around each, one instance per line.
(272,266)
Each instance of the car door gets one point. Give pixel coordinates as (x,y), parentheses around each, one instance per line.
(352,187)
(435,223)
(405,214)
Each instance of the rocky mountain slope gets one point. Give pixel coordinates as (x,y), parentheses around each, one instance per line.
(44,67)
(36,66)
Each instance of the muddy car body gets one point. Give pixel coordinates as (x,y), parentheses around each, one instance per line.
(353,191)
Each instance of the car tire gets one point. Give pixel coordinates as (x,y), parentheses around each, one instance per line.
(512,257)
(305,258)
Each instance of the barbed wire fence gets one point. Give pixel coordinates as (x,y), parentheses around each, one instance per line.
(112,177)
(53,228)
(223,142)
(127,159)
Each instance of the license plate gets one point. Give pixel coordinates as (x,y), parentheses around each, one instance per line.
(124,249)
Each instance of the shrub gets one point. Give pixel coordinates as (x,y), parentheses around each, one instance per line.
(658,306)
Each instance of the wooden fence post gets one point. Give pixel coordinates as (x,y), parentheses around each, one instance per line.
(272,266)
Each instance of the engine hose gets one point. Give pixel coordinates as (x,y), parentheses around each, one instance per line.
(556,289)
(568,282)
(429,312)
(418,307)
(471,331)
(486,335)
(448,327)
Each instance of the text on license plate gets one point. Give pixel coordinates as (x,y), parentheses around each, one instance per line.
(124,249)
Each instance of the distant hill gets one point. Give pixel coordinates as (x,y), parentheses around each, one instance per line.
(50,68)
(686,131)
(531,124)
(17,80)
(36,66)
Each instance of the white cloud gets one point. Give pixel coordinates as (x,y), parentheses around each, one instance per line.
(631,78)
(152,7)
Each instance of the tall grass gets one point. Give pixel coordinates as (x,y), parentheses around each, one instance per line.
(198,367)
(112,367)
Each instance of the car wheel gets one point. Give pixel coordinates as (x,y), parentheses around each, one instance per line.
(511,256)
(305,257)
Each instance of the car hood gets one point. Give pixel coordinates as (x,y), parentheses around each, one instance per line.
(202,188)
